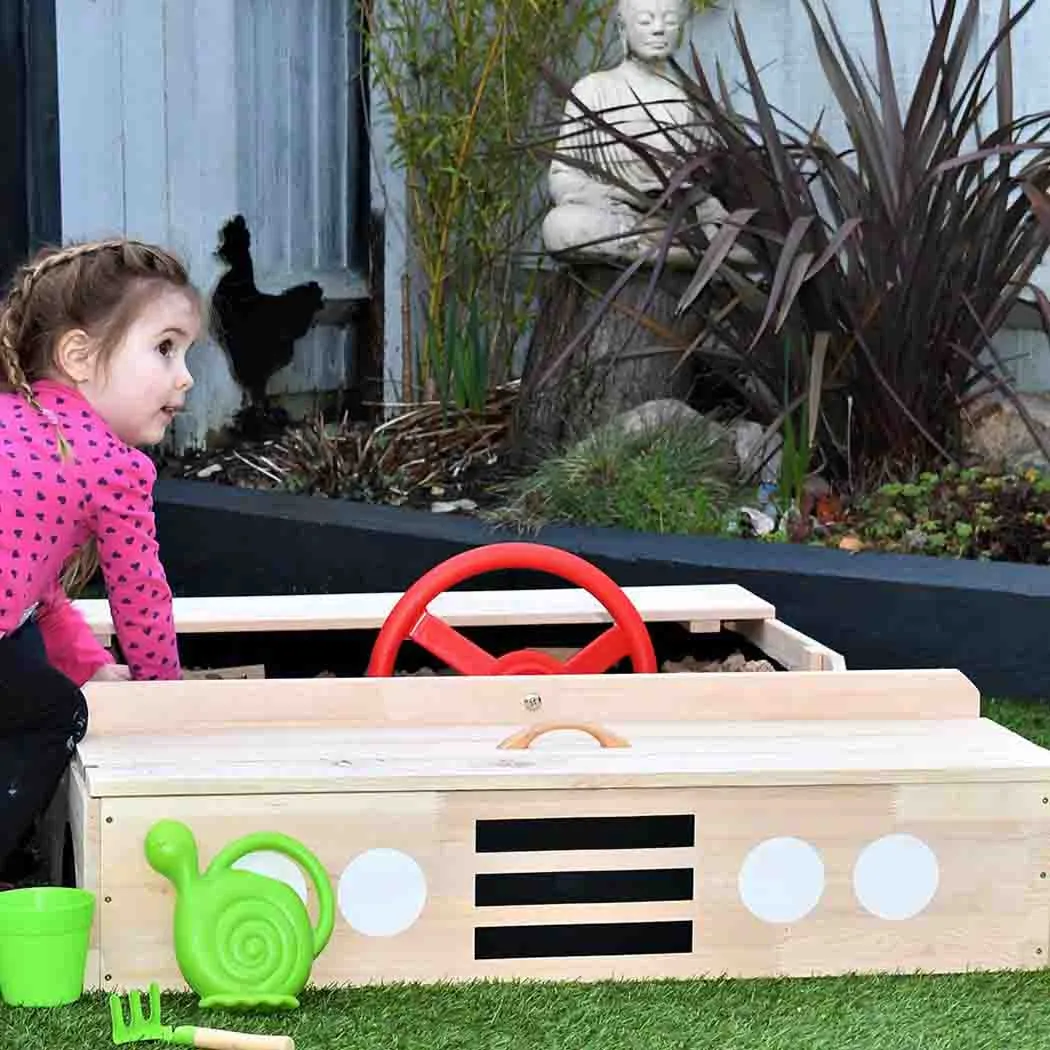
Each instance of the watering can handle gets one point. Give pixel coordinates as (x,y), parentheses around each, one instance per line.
(219,1039)
(274,840)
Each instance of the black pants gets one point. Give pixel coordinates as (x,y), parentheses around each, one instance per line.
(43,716)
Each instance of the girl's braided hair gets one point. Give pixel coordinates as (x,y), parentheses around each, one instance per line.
(97,286)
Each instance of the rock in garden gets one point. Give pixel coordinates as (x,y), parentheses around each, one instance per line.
(996,437)
(756,456)
(757,522)
(662,412)
(451,506)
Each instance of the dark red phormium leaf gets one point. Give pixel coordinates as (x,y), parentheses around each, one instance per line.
(908,249)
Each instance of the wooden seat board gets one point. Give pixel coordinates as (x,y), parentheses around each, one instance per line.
(468,758)
(687,603)
(193,707)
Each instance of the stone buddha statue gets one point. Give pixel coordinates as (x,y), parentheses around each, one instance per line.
(644,98)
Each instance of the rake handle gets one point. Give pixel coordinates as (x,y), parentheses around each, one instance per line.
(219,1039)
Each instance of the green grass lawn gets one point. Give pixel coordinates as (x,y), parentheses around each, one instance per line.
(964,1012)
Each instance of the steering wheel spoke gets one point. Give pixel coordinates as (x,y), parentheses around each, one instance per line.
(607,650)
(446,643)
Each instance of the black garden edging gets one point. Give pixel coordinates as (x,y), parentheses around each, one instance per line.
(990,620)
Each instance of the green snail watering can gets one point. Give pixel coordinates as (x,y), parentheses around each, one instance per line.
(242,940)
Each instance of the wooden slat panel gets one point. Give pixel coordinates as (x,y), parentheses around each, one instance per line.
(195,707)
(173,780)
(585,860)
(745,745)
(318,612)
(788,646)
(752,753)
(85,818)
(270,86)
(989,907)
(554,914)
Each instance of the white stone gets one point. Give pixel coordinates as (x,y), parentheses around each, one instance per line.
(751,450)
(451,506)
(759,522)
(996,436)
(663,412)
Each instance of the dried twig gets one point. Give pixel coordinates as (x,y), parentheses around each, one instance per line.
(427,447)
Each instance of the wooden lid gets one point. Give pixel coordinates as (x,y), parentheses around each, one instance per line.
(443,734)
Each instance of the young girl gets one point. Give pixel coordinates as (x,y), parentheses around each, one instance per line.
(93,342)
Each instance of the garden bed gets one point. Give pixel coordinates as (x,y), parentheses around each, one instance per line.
(989,619)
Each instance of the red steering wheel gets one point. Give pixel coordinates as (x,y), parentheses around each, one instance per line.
(409,618)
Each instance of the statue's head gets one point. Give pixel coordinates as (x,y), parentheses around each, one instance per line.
(652,29)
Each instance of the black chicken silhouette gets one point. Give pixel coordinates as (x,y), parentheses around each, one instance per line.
(258,331)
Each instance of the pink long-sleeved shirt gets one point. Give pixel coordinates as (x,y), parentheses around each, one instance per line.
(50,506)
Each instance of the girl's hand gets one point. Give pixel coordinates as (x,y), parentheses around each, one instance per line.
(112,673)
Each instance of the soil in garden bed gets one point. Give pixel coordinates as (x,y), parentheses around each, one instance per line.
(345,654)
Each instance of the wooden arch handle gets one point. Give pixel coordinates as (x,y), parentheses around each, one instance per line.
(521,740)
(220,1039)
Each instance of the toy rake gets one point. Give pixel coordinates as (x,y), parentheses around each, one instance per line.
(143,1028)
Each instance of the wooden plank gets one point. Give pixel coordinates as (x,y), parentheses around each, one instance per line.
(566,605)
(477,746)
(547,914)
(585,860)
(91,111)
(194,707)
(705,626)
(52,828)
(145,157)
(85,819)
(295,778)
(788,646)
(660,755)
(986,907)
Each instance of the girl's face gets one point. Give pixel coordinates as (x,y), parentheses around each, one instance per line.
(144,382)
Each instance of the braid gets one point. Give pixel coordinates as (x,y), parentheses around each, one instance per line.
(12,323)
(13,316)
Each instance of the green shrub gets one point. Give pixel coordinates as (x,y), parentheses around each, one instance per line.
(667,479)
